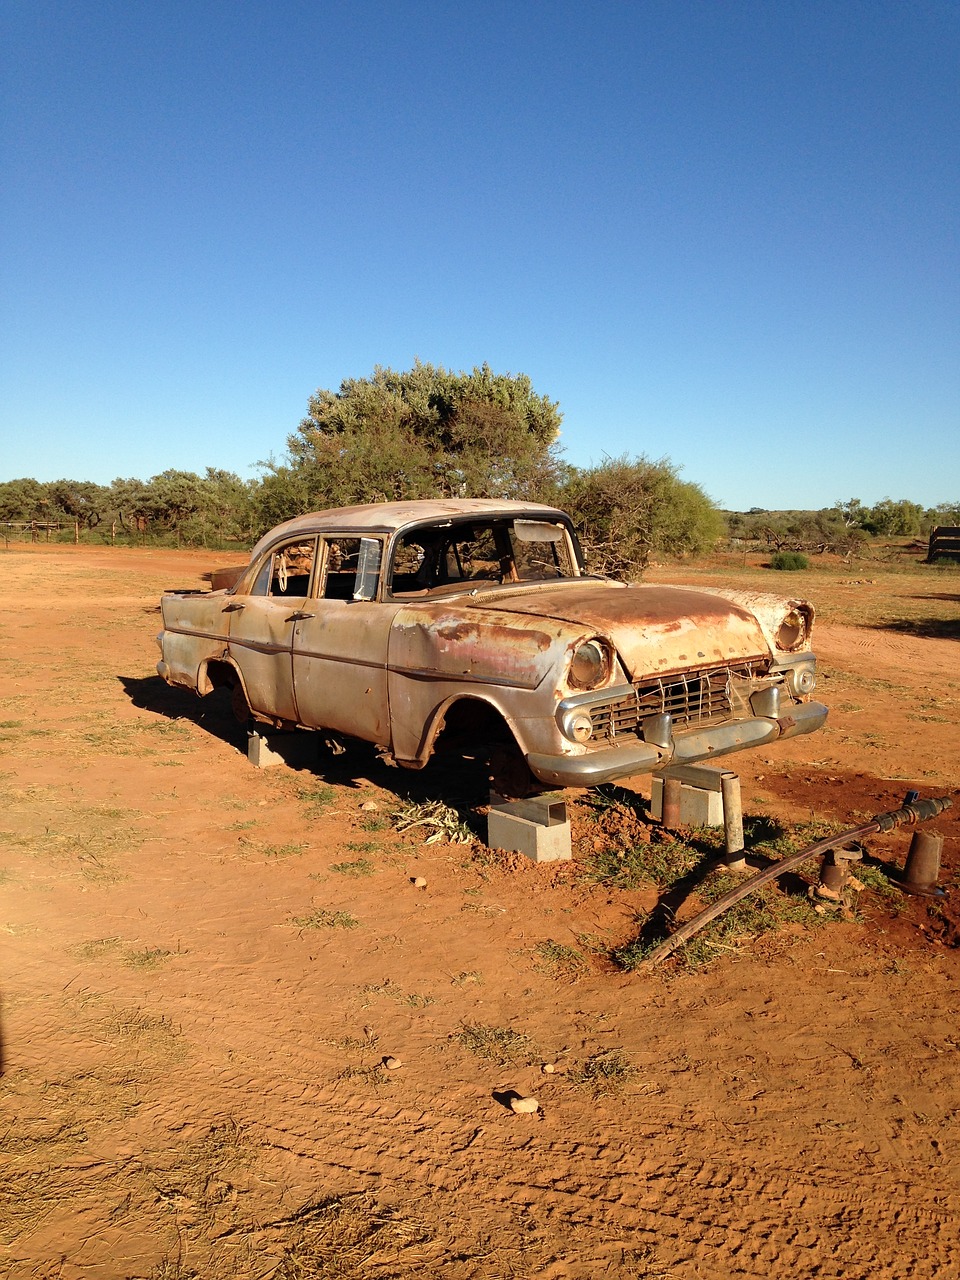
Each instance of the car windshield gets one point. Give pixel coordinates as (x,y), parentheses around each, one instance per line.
(482,552)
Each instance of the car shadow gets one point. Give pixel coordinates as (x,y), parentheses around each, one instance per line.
(212,714)
(926,628)
(458,777)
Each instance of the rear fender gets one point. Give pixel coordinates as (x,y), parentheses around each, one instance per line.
(216,673)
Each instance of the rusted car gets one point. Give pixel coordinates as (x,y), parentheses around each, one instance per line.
(392,622)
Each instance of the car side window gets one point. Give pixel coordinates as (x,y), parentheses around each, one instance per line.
(286,572)
(341,558)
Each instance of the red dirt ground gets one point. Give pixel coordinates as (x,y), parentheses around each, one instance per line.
(193,1082)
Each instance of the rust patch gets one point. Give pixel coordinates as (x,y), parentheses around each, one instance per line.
(491,637)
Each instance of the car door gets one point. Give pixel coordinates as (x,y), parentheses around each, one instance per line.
(340,643)
(262,626)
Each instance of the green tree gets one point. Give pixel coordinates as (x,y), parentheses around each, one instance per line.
(80,500)
(891,519)
(628,510)
(945,513)
(23,500)
(281,492)
(853,513)
(227,503)
(425,432)
(132,500)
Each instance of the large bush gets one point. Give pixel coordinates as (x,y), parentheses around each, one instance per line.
(426,432)
(629,510)
(789,560)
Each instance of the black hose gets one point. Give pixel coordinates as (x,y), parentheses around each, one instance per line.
(912,812)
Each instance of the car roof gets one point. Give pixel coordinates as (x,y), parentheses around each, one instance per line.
(388,517)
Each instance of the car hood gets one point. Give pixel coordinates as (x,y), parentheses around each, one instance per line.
(654,628)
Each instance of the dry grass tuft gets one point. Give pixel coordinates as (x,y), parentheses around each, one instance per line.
(501,1045)
(320,918)
(352,1238)
(559,961)
(604,1074)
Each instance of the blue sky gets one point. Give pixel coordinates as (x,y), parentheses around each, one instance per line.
(725,233)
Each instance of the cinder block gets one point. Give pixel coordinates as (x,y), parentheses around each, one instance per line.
(698,807)
(540,841)
(293,749)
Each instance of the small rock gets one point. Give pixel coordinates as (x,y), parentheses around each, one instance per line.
(548,1068)
(419,882)
(524,1106)
(392,1064)
(370,806)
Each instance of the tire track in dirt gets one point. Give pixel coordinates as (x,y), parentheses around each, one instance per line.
(738,1214)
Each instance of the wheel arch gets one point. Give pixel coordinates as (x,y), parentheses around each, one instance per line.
(218,673)
(465,716)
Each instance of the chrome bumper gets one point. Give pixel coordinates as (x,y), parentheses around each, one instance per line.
(637,756)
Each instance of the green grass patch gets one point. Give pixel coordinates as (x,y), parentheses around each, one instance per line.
(875,881)
(764,911)
(275,851)
(662,863)
(357,868)
(374,822)
(319,796)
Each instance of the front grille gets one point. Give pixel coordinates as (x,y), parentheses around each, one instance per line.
(693,698)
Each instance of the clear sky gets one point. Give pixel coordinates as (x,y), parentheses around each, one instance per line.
(723,232)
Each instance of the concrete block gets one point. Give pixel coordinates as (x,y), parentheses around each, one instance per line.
(296,750)
(537,827)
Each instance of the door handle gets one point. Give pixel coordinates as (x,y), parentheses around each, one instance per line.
(235,607)
(300,616)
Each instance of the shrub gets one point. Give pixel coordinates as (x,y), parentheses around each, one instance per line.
(789,560)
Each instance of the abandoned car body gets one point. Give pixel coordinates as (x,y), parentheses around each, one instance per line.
(387,622)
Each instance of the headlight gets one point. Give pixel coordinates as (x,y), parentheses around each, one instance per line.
(792,631)
(590,665)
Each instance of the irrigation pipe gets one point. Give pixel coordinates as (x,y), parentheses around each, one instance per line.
(911,812)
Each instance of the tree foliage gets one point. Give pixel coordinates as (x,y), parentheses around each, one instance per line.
(426,432)
(196,510)
(629,510)
(893,519)
(431,432)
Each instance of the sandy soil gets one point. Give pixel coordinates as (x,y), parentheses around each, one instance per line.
(206,965)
